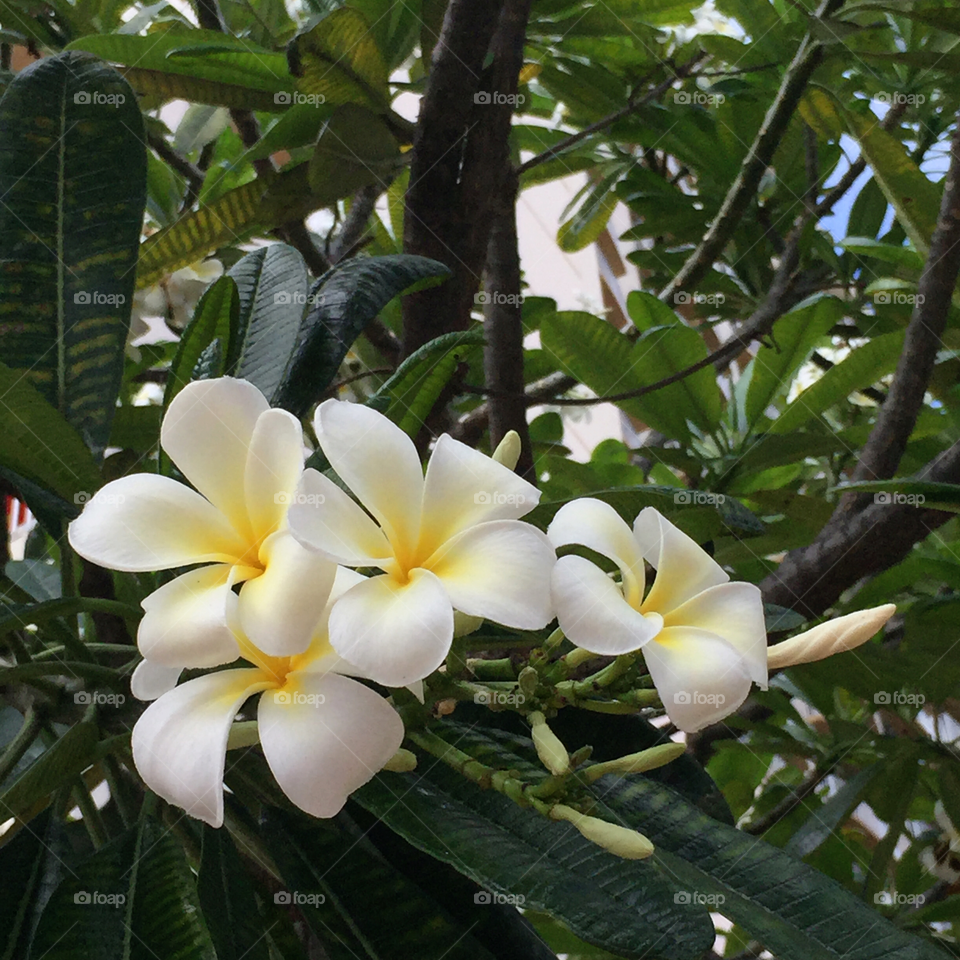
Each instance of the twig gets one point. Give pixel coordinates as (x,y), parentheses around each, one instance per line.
(786,806)
(377,372)
(364,201)
(184,167)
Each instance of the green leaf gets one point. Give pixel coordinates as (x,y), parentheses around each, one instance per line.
(56,767)
(73,167)
(341,304)
(134,899)
(775,365)
(591,217)
(227,900)
(626,907)
(794,910)
(38,444)
(409,395)
(925,493)
(136,428)
(355,148)
(338,60)
(21,861)
(862,368)
(896,254)
(176,86)
(272,286)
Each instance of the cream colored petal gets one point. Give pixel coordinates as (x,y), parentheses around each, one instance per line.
(186,623)
(463,487)
(324,737)
(273,468)
(595,524)
(592,612)
(148,522)
(683,567)
(499,571)
(151,680)
(395,633)
(378,462)
(180,741)
(324,518)
(834,636)
(733,611)
(207,431)
(700,677)
(280,609)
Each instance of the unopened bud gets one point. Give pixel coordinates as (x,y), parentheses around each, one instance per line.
(508,450)
(834,636)
(552,753)
(243,734)
(622,841)
(528,678)
(403,761)
(637,762)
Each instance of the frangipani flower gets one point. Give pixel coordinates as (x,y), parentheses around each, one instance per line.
(245,460)
(449,540)
(703,637)
(323,734)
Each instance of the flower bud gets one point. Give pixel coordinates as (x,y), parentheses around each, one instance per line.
(508,450)
(403,761)
(834,636)
(637,762)
(621,841)
(528,680)
(552,753)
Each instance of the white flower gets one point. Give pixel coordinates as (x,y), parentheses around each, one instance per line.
(245,460)
(175,297)
(323,734)
(450,540)
(703,637)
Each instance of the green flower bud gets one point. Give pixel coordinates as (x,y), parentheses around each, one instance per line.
(552,753)
(621,841)
(508,450)
(403,761)
(637,762)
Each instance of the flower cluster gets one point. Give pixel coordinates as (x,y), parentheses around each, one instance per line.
(309,591)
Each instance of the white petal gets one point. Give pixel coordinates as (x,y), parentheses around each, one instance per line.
(597,525)
(325,736)
(180,741)
(592,612)
(684,568)
(148,522)
(207,431)
(700,677)
(733,611)
(500,571)
(463,487)
(151,680)
(324,518)
(395,633)
(378,462)
(280,609)
(186,623)
(274,464)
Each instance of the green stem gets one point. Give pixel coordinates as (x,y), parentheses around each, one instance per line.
(32,724)
(492,669)
(91,815)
